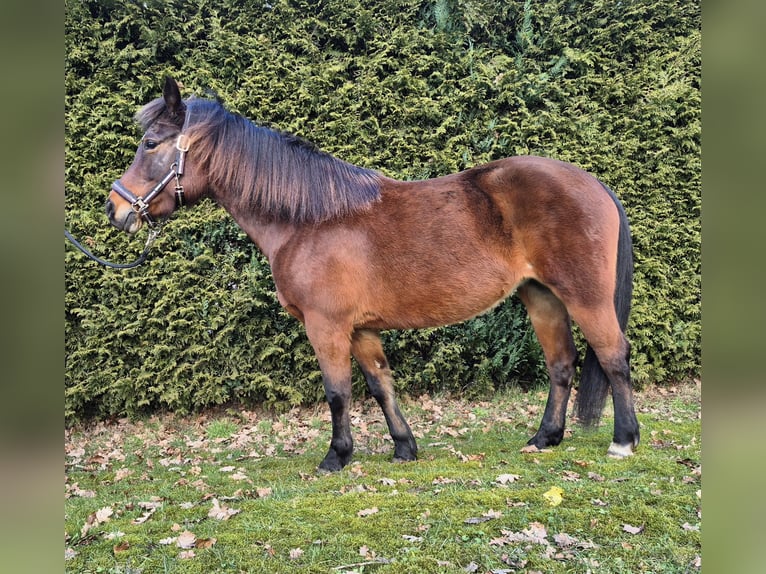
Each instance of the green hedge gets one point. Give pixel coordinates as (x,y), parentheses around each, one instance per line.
(413,88)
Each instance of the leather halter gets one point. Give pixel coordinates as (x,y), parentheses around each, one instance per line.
(141,204)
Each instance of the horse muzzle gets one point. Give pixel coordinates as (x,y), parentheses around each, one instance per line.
(126,220)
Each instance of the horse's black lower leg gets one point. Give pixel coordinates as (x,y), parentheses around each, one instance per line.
(612,350)
(626,430)
(368,351)
(341,445)
(551,430)
(333,350)
(551,322)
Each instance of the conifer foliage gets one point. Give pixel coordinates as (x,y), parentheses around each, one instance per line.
(414,88)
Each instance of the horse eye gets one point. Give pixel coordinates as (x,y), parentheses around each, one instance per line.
(150,144)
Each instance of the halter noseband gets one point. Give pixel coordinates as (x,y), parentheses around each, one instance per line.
(141,204)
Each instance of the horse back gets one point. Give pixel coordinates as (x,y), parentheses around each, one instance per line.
(442,250)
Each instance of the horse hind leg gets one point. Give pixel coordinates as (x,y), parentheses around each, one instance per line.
(367,349)
(609,358)
(552,326)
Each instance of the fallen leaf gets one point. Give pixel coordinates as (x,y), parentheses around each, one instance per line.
(477,519)
(633,529)
(564,540)
(95,518)
(104,514)
(205,542)
(411,538)
(221,512)
(295,553)
(570,476)
(144,517)
(186,539)
(687,526)
(241,476)
(507,478)
(471,567)
(554,496)
(186,554)
(69,553)
(121,547)
(443,480)
(263,492)
(367,512)
(122,474)
(75,490)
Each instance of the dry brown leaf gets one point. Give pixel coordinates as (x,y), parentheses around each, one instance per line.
(205,542)
(96,518)
(507,478)
(121,547)
(442,480)
(296,553)
(633,529)
(367,512)
(570,476)
(564,540)
(122,474)
(221,512)
(186,539)
(104,514)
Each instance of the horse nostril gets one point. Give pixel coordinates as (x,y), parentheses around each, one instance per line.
(109,207)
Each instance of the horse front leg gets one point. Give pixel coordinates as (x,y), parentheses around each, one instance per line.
(333,350)
(368,352)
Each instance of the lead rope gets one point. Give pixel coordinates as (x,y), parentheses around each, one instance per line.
(153,233)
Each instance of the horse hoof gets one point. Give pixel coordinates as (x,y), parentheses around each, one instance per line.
(619,450)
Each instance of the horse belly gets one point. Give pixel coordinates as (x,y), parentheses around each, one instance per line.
(409,300)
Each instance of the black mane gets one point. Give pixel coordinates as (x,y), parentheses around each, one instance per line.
(280,175)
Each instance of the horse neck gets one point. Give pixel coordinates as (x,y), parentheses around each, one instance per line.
(267,234)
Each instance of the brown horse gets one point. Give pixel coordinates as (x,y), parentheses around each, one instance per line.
(353,252)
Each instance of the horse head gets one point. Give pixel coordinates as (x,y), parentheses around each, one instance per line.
(158,166)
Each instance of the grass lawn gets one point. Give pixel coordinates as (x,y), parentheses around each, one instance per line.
(238,491)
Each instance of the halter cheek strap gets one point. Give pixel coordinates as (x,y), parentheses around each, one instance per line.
(182,146)
(141,204)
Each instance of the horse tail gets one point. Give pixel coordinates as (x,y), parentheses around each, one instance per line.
(594,384)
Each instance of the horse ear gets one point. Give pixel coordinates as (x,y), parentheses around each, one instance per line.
(172,96)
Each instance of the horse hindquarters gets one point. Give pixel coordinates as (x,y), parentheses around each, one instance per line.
(609,364)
